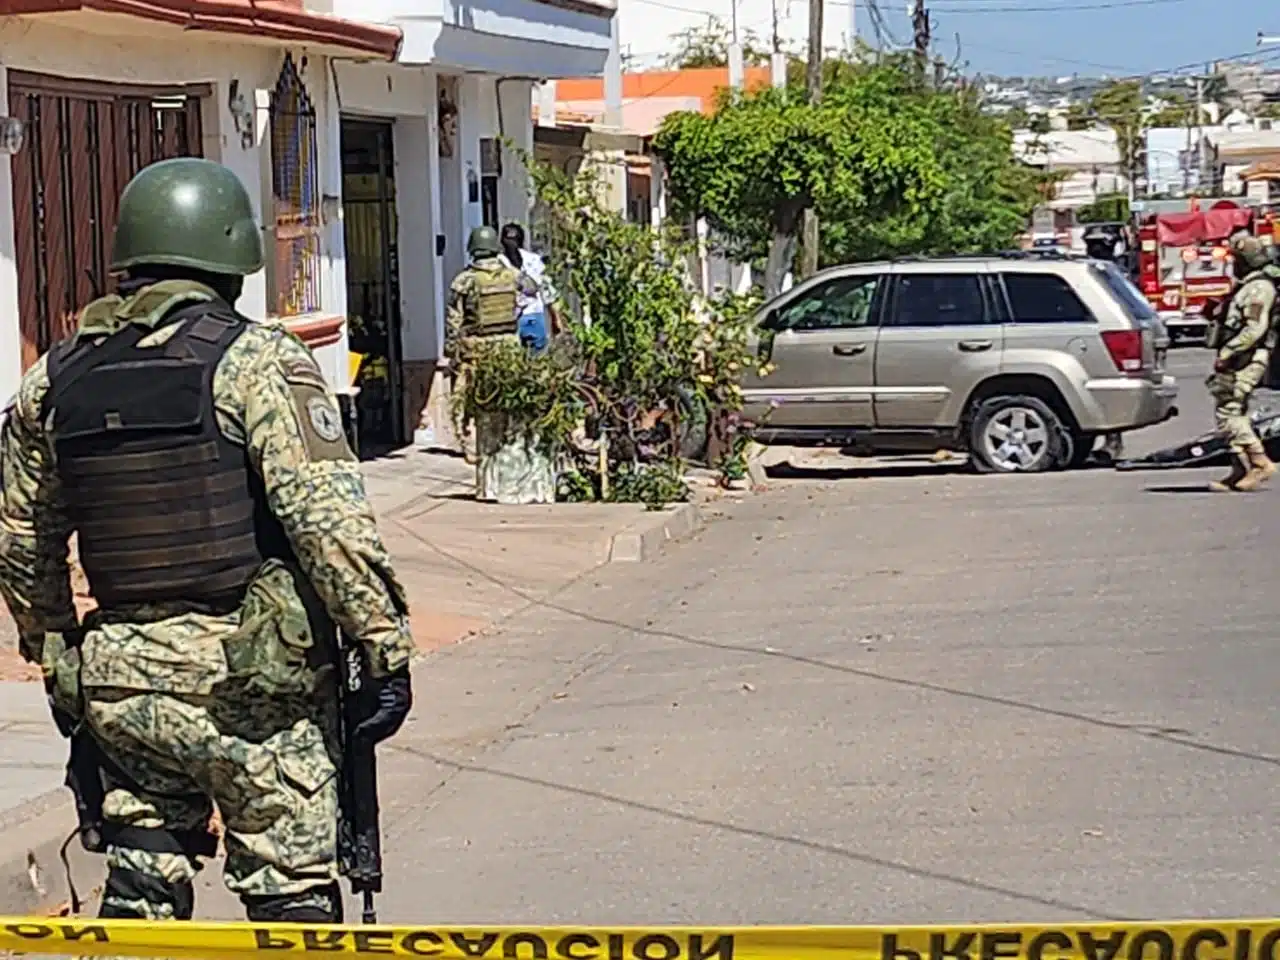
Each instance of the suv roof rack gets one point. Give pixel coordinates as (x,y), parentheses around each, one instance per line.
(1047,253)
(925,258)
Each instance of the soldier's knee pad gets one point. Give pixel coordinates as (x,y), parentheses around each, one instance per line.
(125,888)
(317,905)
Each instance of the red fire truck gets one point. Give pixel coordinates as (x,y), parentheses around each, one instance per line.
(1183,261)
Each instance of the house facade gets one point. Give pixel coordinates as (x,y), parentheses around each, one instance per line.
(371,137)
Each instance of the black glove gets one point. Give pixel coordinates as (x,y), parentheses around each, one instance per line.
(393,697)
(67,724)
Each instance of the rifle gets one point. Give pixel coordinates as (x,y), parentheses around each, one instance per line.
(359,839)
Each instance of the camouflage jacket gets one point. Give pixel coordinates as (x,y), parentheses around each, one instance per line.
(462,289)
(264,388)
(1247,323)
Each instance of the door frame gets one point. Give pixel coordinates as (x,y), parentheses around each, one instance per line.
(383,129)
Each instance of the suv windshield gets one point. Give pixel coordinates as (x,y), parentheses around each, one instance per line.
(1122,289)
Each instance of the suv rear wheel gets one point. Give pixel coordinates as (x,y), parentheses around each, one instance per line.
(1015,434)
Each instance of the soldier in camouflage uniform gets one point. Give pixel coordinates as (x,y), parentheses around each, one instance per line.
(483,303)
(1244,336)
(483,298)
(223,527)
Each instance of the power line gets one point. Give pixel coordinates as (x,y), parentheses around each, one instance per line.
(878,18)
(1102,5)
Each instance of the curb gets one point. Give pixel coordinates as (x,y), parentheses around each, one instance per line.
(647,537)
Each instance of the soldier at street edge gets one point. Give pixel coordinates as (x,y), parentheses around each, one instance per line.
(224,530)
(1243,337)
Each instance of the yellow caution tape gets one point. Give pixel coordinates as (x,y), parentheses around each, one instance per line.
(1181,940)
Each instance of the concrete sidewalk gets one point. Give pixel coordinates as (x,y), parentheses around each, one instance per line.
(466,566)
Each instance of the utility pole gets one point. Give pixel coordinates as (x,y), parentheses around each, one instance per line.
(735,51)
(920,35)
(851,42)
(778,60)
(1200,81)
(813,83)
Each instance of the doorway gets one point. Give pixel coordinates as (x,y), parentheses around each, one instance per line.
(373,282)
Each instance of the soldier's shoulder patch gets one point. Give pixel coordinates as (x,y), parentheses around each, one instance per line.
(320,423)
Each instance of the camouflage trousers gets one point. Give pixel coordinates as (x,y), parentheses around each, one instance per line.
(1231,392)
(263,762)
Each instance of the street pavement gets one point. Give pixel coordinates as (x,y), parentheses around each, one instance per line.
(896,699)
(465,566)
(884,696)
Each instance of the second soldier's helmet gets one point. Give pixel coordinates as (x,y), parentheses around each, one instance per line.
(483,242)
(1249,252)
(187,212)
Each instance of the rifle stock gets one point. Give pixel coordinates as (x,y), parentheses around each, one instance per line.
(359,836)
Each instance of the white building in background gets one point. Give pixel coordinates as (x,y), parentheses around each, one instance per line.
(369,135)
(1088,159)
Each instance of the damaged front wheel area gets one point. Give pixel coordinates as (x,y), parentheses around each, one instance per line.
(1017,434)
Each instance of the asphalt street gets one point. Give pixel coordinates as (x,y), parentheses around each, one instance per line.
(872,698)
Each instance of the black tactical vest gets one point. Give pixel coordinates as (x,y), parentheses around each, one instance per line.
(166,509)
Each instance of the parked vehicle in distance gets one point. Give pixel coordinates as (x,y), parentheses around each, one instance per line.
(1022,360)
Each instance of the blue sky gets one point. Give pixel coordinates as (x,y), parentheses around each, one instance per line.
(1116,36)
(1036,37)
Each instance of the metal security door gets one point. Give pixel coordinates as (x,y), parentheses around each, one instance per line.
(84,142)
(373,281)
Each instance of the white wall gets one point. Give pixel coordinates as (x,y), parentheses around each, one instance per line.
(500,37)
(418,315)
(517,122)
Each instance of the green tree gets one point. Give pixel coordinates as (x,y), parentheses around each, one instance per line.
(892,166)
(1118,105)
(1176,111)
(1039,124)
(985,198)
(1017,118)
(708,46)
(1108,208)
(755,164)
(1078,117)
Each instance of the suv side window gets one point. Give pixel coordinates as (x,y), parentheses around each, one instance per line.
(1043,298)
(842,303)
(939,300)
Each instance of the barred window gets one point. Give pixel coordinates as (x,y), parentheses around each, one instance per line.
(295,184)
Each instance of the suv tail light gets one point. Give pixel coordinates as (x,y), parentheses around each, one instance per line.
(1125,347)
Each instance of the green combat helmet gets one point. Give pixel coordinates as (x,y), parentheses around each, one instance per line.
(1249,252)
(187,212)
(483,242)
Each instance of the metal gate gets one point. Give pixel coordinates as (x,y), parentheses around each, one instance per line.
(84,142)
(373,280)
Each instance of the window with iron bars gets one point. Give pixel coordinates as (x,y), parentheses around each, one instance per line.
(295,180)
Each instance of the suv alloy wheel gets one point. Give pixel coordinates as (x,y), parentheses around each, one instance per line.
(1015,434)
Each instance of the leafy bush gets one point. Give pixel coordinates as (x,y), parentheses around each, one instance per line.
(639,349)
(537,396)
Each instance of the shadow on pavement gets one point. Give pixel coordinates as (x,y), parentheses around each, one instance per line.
(789,471)
(1202,488)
